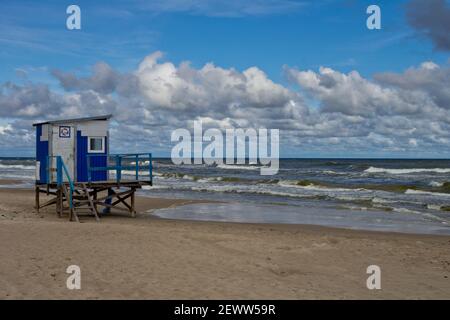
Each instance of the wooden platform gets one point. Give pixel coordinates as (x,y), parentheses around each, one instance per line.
(106,184)
(87,197)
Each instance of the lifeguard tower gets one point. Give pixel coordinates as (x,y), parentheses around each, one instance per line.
(73,164)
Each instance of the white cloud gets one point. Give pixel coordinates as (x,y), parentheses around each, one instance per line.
(394,112)
(410,94)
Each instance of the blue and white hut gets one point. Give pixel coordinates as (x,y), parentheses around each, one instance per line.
(73,163)
(73,140)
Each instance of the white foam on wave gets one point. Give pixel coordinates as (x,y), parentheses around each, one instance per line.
(405,210)
(16,177)
(232,189)
(313,187)
(423,214)
(146,162)
(17,166)
(406,171)
(132,173)
(227,188)
(210,179)
(333,173)
(438,194)
(356,208)
(154,187)
(263,190)
(436,184)
(238,167)
(382,200)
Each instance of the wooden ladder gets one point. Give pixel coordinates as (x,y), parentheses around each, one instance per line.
(82,202)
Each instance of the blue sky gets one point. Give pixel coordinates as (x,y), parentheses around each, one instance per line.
(306,34)
(276,37)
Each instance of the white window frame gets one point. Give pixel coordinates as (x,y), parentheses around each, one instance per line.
(96,151)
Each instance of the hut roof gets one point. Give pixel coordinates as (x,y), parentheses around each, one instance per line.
(104,117)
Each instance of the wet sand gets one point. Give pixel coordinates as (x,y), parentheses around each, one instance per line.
(9,182)
(150,258)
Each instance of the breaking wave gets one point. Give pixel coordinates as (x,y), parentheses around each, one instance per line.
(305,184)
(406,171)
(238,167)
(436,184)
(438,194)
(16,166)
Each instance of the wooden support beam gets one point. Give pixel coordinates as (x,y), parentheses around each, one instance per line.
(47,193)
(49,202)
(111,195)
(121,199)
(111,206)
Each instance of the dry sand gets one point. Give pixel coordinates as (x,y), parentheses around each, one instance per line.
(150,258)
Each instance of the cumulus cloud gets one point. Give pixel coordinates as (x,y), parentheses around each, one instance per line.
(429,79)
(422,91)
(26,101)
(393,112)
(104,80)
(16,134)
(431,18)
(210,90)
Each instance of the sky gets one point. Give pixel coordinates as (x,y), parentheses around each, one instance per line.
(311,69)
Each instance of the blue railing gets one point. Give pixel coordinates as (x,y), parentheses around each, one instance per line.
(61,170)
(123,162)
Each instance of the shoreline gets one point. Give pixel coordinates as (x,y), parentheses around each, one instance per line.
(154,258)
(201,207)
(147,204)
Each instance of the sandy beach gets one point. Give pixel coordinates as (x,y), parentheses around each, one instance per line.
(151,258)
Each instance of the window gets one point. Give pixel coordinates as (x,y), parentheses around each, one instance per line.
(96,144)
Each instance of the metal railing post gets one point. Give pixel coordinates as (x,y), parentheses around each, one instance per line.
(118,168)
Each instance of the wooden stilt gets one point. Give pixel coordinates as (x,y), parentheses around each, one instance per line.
(37,199)
(60,208)
(133,211)
(58,202)
(108,200)
(94,195)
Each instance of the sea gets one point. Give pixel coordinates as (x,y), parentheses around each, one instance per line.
(401,195)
